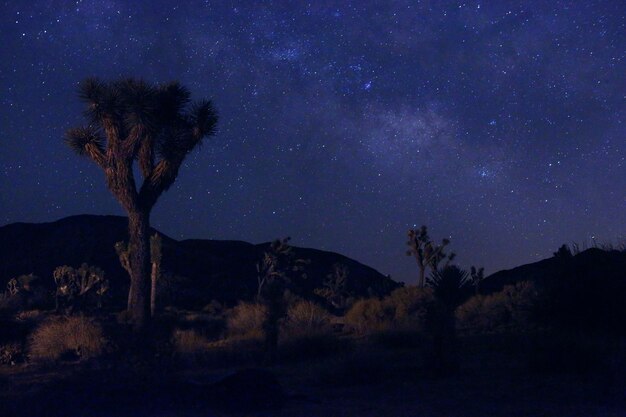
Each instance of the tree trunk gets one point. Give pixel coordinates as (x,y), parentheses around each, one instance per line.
(153,288)
(422,278)
(139,246)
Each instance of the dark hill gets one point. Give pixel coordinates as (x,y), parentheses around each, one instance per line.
(207,269)
(593,264)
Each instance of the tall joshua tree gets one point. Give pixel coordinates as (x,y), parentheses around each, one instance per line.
(130,120)
(427,253)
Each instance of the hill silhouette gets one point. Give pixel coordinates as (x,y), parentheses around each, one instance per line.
(593,264)
(206,269)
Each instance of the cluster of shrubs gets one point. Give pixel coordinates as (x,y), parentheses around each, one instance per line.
(513,308)
(406,307)
(411,308)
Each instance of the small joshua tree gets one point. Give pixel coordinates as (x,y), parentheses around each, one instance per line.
(24,291)
(131,120)
(76,286)
(334,289)
(426,252)
(477,276)
(275,273)
(563,253)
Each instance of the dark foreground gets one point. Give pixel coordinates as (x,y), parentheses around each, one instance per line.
(365,381)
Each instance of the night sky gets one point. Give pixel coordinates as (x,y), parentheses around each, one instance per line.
(498,124)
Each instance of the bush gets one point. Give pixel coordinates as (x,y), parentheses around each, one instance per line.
(59,337)
(408,306)
(189,341)
(11,354)
(206,325)
(511,308)
(25,292)
(306,317)
(246,321)
(366,315)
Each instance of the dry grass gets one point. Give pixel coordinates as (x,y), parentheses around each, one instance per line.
(366,315)
(189,342)
(511,308)
(60,336)
(306,317)
(246,321)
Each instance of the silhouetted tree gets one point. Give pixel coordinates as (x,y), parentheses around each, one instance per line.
(334,286)
(131,120)
(275,274)
(564,252)
(451,287)
(477,275)
(25,291)
(427,253)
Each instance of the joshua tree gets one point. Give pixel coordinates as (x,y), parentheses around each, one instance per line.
(131,120)
(477,276)
(334,290)
(75,286)
(274,274)
(564,252)
(427,253)
(24,291)
(123,253)
(155,257)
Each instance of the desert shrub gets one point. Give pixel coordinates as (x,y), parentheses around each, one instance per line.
(189,341)
(124,318)
(214,308)
(366,315)
(11,302)
(24,292)
(521,300)
(305,317)
(246,320)
(11,354)
(408,306)
(511,308)
(206,325)
(59,337)
(30,315)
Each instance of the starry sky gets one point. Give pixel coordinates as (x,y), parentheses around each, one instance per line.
(499,124)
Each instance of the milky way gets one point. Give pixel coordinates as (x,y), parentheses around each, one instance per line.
(498,124)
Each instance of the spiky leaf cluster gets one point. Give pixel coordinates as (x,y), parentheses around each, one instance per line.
(132,120)
(450,285)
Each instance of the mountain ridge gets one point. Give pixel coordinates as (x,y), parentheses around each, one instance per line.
(221,269)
